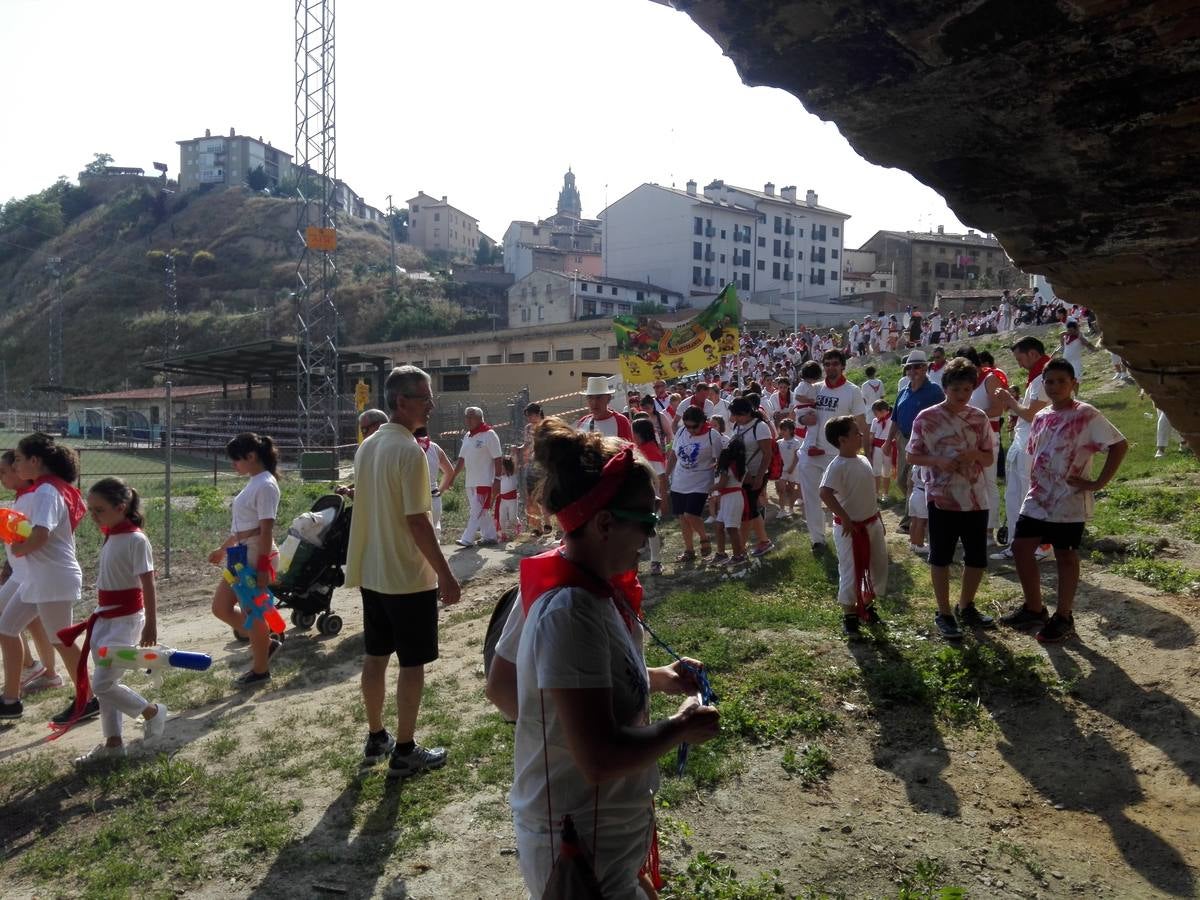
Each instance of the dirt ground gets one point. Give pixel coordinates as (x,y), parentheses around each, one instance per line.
(1092,794)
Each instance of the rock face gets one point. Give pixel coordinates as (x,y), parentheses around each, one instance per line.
(1071,130)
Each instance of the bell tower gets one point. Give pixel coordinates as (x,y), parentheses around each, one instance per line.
(569,203)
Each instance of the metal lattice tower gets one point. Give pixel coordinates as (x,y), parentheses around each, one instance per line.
(171,325)
(316,161)
(55,356)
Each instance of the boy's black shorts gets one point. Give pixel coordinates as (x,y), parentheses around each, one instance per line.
(1060,535)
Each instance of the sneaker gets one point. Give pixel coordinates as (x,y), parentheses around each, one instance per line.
(738,559)
(1005,554)
(763,549)
(251,679)
(13,710)
(416,761)
(921,550)
(378,747)
(971,617)
(152,729)
(1160,453)
(101,754)
(873,617)
(1041,553)
(947,627)
(1057,630)
(30,674)
(488,542)
(711,520)
(1021,617)
(818,549)
(655,568)
(90,711)
(465,544)
(1002,534)
(850,625)
(43,684)
(718,559)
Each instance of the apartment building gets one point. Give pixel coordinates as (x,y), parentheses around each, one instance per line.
(434,225)
(547,298)
(772,247)
(229,160)
(928,262)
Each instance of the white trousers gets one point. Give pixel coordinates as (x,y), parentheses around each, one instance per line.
(481,520)
(510,519)
(812,469)
(1163,434)
(1016,484)
(847,583)
(436,514)
(993,495)
(115,698)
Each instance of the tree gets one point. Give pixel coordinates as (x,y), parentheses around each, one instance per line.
(399,219)
(97,166)
(256,179)
(483,253)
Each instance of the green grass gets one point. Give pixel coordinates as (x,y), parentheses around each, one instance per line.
(1169,577)
(811,765)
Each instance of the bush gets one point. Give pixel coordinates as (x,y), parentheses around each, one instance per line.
(204,262)
(156,259)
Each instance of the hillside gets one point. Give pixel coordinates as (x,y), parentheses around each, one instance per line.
(112,236)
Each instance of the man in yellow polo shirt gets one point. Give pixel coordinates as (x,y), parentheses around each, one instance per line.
(395,560)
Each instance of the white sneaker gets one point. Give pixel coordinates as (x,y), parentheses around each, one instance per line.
(1006,553)
(711,520)
(30,674)
(152,729)
(101,753)
(1041,553)
(919,549)
(1160,453)
(44,683)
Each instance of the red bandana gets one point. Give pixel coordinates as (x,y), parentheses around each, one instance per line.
(423,442)
(1036,369)
(28,489)
(652,452)
(479,429)
(122,527)
(615,471)
(551,569)
(837,384)
(76,508)
(937,367)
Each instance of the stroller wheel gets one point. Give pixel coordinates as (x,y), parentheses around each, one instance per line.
(329,625)
(303,620)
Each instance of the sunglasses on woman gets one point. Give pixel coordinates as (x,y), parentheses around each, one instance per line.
(648,520)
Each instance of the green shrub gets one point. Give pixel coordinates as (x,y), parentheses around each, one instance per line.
(204,262)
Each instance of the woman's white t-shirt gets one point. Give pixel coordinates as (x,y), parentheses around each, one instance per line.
(124,558)
(695,461)
(258,500)
(52,572)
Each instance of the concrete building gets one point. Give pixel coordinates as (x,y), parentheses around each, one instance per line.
(564,242)
(860,275)
(773,247)
(435,225)
(546,298)
(141,413)
(928,262)
(229,160)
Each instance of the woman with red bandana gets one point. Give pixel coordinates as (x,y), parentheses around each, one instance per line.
(585,745)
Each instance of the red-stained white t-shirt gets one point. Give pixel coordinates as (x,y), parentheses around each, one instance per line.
(938,431)
(1062,443)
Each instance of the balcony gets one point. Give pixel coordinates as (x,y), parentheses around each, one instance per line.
(737,236)
(789,229)
(708,281)
(709,256)
(710,231)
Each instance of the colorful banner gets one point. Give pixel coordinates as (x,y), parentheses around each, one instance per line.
(649,350)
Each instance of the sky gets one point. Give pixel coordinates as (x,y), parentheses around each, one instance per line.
(485,102)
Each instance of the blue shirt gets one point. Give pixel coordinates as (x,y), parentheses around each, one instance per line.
(911,402)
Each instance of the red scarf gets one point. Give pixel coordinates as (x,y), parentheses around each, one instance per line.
(937,367)
(837,384)
(122,527)
(984,372)
(785,397)
(423,442)
(1070,338)
(551,569)
(479,429)
(1036,370)
(28,489)
(76,508)
(652,452)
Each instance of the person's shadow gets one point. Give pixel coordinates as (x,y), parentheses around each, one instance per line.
(1082,772)
(330,856)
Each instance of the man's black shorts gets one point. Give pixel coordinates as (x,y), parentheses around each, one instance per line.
(1060,535)
(404,624)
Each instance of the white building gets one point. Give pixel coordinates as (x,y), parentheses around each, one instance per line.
(545,298)
(860,274)
(769,245)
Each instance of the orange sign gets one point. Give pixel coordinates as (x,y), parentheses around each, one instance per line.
(320,238)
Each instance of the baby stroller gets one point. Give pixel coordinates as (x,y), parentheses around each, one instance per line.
(311,561)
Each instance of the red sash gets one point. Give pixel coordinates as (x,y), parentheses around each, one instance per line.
(122,603)
(504,495)
(860,545)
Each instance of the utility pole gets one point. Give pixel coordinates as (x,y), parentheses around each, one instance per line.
(55,358)
(392,240)
(171,325)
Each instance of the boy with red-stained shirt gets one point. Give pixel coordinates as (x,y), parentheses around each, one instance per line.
(953,441)
(1062,441)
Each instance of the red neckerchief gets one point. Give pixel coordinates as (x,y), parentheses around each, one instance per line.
(652,452)
(76,508)
(479,429)
(984,372)
(837,384)
(122,527)
(1036,369)
(937,367)
(785,397)
(551,569)
(596,418)
(423,442)
(1069,338)
(28,489)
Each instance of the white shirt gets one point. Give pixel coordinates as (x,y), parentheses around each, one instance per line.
(686,403)
(123,559)
(1062,443)
(788,449)
(435,466)
(751,433)
(20,568)
(853,480)
(695,461)
(1034,393)
(258,500)
(1072,352)
(872,390)
(477,453)
(844,400)
(52,572)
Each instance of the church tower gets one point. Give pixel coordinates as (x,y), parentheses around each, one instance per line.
(569,203)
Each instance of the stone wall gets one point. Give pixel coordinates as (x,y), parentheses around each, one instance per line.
(1068,129)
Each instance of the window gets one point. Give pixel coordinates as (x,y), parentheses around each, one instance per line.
(745,281)
(697,250)
(437,217)
(472,360)
(722,282)
(663,298)
(942,270)
(778,246)
(722,234)
(641,296)
(762,265)
(539,356)
(564,355)
(698,225)
(541,313)
(818,232)
(787,248)
(606,309)
(774,270)
(762,242)
(583,287)
(833,275)
(612,351)
(941,285)
(516,357)
(589,353)
(833,254)
(589,307)
(722,259)
(778,225)
(460,381)
(434,363)
(696,277)
(454,361)
(495,358)
(787,273)
(623,308)
(941,251)
(799,232)
(836,231)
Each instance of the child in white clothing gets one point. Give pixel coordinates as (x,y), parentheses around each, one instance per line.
(731,506)
(882,437)
(508,520)
(848,491)
(788,485)
(125,584)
